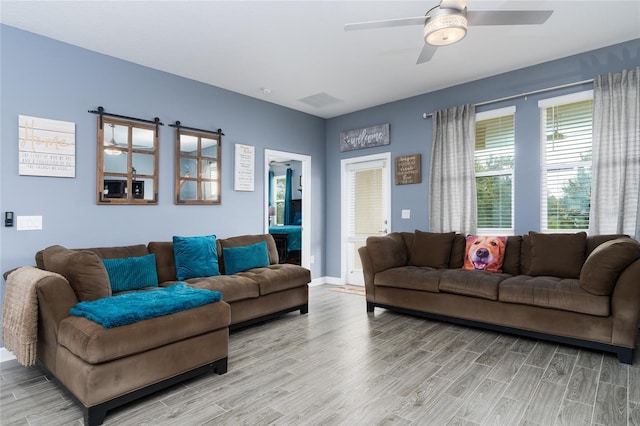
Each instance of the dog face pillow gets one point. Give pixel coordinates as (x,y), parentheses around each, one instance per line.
(485,253)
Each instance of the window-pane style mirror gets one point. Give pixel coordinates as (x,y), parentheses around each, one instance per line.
(127,162)
(197,168)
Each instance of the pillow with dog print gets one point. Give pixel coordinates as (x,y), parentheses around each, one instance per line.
(485,253)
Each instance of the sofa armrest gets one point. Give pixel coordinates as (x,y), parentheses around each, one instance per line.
(386,252)
(625,306)
(367,271)
(55,299)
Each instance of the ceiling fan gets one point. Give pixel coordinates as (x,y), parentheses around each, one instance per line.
(446,23)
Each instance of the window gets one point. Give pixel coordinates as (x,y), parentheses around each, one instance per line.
(278,189)
(566,129)
(494,154)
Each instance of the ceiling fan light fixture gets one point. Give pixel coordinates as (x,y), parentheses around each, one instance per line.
(445,27)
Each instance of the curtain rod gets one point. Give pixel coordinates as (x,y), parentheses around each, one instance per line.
(102,113)
(179,126)
(525,94)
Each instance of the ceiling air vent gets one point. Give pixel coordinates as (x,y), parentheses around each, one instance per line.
(320,100)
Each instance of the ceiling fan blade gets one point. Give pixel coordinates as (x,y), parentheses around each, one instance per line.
(426,54)
(508,17)
(418,20)
(453,4)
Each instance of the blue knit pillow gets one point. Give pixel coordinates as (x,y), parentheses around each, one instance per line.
(195,257)
(238,259)
(130,273)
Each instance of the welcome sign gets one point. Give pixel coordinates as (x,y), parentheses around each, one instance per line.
(364,138)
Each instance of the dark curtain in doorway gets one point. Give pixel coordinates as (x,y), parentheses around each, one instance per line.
(287,198)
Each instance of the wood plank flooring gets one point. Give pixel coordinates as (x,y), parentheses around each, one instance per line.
(339,365)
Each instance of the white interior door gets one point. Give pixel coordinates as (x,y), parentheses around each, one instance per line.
(366,208)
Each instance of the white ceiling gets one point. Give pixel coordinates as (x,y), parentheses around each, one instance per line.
(299,49)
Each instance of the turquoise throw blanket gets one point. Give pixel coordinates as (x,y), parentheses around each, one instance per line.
(128,308)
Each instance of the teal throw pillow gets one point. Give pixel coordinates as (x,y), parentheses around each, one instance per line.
(195,257)
(131,273)
(238,259)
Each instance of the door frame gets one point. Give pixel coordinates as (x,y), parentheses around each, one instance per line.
(269,155)
(344,165)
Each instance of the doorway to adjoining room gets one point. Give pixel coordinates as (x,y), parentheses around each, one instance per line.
(287,210)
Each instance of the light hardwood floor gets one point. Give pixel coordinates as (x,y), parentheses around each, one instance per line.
(339,365)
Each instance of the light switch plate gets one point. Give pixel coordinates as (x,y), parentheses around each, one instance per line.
(29,223)
(406,214)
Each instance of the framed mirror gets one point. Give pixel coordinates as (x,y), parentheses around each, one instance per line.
(197,167)
(127,162)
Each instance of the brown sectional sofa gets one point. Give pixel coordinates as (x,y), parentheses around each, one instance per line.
(104,368)
(566,288)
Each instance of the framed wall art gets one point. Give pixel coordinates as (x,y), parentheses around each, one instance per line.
(46,147)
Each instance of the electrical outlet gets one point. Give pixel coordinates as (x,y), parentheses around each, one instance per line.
(406,214)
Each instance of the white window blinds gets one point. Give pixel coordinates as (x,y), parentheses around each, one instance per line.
(494,155)
(566,129)
(367,209)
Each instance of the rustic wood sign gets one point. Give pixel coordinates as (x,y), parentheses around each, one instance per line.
(408,169)
(364,138)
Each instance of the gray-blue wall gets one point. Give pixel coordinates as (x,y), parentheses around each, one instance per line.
(412,134)
(45,78)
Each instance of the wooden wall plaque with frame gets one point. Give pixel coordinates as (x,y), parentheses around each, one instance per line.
(408,169)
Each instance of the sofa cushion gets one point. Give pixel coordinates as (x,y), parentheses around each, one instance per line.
(594,241)
(114,252)
(278,277)
(484,253)
(525,255)
(552,292)
(387,251)
(244,240)
(195,256)
(82,268)
(458,246)
(131,273)
(409,277)
(232,287)
(238,259)
(603,266)
(474,283)
(95,344)
(557,255)
(431,249)
(165,261)
(511,262)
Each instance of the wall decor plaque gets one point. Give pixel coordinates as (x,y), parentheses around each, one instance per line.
(408,169)
(46,147)
(364,138)
(244,167)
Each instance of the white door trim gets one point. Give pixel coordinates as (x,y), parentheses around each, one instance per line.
(270,154)
(344,165)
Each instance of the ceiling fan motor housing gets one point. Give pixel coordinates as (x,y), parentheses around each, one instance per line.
(445,26)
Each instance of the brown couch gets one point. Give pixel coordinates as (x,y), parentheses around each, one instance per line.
(566,288)
(105,368)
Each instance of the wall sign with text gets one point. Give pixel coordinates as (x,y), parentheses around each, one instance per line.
(364,138)
(244,168)
(408,169)
(46,147)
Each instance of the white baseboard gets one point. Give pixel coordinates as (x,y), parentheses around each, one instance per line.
(326,280)
(5,355)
